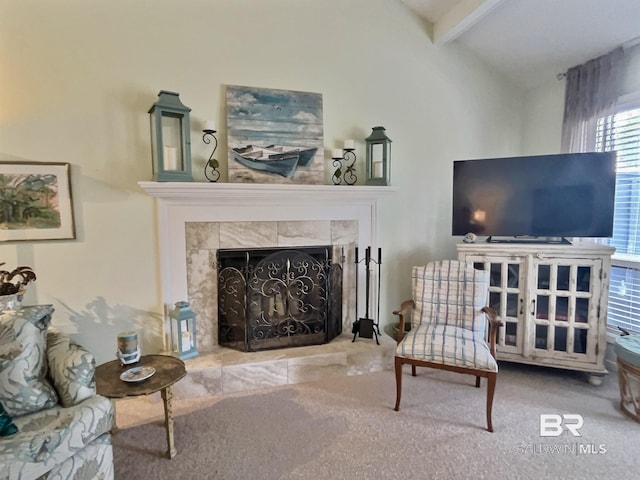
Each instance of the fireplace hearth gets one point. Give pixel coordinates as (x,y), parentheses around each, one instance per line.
(270,298)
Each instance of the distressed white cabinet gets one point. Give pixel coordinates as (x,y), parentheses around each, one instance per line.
(552,299)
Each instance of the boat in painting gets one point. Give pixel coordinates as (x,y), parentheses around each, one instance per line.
(279,160)
(306,154)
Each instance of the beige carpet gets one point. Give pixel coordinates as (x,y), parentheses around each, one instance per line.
(345,428)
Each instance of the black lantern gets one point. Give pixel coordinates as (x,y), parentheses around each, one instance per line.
(378,166)
(170,139)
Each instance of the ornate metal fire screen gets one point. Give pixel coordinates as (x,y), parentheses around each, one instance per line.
(272,298)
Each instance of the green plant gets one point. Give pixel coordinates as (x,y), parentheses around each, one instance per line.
(15,280)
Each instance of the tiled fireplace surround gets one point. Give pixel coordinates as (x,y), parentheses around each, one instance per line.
(197,218)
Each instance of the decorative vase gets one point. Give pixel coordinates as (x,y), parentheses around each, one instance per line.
(12,301)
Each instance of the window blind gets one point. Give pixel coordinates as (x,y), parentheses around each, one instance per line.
(621,132)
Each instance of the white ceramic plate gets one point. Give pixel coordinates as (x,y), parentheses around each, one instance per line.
(137,374)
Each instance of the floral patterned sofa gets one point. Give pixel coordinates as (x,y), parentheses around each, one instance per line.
(53,425)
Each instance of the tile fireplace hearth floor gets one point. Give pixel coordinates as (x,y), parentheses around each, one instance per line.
(227,371)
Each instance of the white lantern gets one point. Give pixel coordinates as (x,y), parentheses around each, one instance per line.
(183,331)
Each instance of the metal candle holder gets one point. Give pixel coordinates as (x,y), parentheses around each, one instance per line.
(211,167)
(349,175)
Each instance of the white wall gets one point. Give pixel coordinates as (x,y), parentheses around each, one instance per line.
(78,79)
(631,83)
(544,109)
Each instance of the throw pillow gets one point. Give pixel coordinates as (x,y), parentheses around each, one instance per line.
(7,427)
(23,364)
(71,369)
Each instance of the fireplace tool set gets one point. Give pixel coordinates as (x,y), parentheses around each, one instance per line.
(367,327)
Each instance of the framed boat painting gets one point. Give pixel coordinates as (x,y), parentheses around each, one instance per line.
(35,201)
(274,136)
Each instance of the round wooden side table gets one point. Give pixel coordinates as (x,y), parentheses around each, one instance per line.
(628,353)
(168,370)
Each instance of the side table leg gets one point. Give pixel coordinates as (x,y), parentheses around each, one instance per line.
(114,424)
(167,398)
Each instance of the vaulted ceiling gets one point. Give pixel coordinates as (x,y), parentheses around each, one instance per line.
(531,41)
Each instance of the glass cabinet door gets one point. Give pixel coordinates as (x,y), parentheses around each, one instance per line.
(505,284)
(562,306)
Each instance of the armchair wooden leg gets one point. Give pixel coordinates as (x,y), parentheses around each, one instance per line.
(413,370)
(398,364)
(491,388)
(477,382)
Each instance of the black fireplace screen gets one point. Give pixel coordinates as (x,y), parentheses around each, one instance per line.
(278,297)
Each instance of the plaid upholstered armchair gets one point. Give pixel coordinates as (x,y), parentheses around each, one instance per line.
(448,319)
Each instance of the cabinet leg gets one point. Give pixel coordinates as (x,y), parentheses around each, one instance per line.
(595,379)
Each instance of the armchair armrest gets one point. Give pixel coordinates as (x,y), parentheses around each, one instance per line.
(405,308)
(494,323)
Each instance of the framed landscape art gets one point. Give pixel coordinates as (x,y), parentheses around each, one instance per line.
(35,201)
(274,136)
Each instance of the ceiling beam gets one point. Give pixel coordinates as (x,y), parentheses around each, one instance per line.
(460,18)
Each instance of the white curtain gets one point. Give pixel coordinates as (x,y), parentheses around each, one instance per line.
(591,92)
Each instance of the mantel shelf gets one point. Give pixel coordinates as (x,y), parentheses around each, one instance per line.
(225,193)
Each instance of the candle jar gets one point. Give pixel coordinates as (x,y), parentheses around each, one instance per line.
(128,348)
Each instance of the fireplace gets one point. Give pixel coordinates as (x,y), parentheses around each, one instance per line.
(195,219)
(272,298)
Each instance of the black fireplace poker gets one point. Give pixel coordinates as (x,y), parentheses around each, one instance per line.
(367,327)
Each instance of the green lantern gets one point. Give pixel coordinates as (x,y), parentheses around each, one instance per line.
(183,331)
(378,159)
(170,139)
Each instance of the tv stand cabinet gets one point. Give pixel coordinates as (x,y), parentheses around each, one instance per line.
(552,299)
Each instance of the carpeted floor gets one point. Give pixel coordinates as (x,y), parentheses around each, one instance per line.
(345,428)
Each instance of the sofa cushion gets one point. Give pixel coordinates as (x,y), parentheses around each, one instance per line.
(71,369)
(49,437)
(24,387)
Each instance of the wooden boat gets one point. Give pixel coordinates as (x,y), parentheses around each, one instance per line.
(273,158)
(306,154)
(267,160)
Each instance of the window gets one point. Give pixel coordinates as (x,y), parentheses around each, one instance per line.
(621,132)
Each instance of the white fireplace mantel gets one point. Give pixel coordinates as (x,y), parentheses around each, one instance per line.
(182,202)
(245,193)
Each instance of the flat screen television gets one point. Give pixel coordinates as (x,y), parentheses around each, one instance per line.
(542,196)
